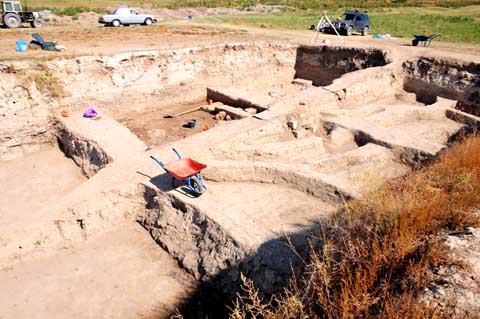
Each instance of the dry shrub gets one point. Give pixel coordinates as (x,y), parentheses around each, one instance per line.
(46,81)
(377,254)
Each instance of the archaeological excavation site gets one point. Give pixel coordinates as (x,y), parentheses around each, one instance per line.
(92,227)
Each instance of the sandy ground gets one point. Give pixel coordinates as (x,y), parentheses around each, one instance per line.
(250,214)
(30,183)
(123,274)
(154,129)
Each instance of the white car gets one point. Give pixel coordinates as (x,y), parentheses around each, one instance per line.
(127,16)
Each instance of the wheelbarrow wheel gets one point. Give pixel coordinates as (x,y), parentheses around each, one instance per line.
(414,42)
(196,186)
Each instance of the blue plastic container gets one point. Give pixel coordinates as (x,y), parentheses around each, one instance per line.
(21,46)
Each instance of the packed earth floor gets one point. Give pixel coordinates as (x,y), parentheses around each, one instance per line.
(288,130)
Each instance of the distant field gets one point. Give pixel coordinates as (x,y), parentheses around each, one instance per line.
(454,24)
(300,4)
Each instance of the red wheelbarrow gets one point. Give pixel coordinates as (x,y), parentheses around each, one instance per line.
(185,170)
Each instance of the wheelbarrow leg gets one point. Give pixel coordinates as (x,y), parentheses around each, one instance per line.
(200,178)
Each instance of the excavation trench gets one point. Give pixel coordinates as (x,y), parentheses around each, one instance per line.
(308,129)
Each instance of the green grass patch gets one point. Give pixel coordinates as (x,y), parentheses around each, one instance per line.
(298,4)
(454,25)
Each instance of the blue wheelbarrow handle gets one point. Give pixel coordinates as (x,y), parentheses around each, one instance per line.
(157,161)
(178,154)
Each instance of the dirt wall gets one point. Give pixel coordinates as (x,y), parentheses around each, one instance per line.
(323,64)
(430,78)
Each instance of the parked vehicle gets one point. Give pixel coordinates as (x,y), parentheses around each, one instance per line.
(13,16)
(352,22)
(127,16)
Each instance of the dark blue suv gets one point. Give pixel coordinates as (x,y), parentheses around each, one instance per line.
(358,22)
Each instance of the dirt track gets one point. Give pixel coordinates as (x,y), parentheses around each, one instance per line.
(90,38)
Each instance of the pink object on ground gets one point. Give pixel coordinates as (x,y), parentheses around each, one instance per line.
(90,112)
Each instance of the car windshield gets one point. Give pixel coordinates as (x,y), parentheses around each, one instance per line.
(349,17)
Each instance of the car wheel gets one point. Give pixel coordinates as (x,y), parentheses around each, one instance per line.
(350,31)
(148,21)
(36,23)
(414,42)
(365,31)
(116,23)
(12,20)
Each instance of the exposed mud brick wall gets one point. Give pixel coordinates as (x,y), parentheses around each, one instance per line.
(87,154)
(166,73)
(323,64)
(201,246)
(24,113)
(429,78)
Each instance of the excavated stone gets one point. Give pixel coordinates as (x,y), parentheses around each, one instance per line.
(220,116)
(233,112)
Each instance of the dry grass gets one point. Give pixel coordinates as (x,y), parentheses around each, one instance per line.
(45,81)
(377,255)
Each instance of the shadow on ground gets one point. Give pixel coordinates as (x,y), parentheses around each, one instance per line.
(165,183)
(271,268)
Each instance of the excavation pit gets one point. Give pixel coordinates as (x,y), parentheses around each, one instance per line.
(33,182)
(311,128)
(156,127)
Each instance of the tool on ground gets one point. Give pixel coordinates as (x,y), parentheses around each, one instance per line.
(169,116)
(423,39)
(191,124)
(323,21)
(47,46)
(185,170)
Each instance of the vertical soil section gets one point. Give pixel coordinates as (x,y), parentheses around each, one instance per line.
(323,64)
